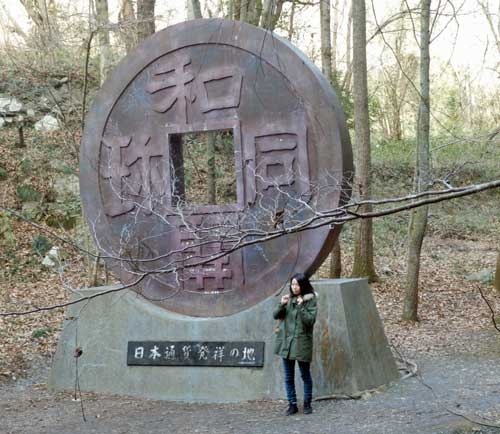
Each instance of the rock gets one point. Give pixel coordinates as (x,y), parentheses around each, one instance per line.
(53,258)
(15,105)
(483,276)
(386,270)
(4,102)
(9,105)
(44,103)
(47,123)
(30,113)
(2,122)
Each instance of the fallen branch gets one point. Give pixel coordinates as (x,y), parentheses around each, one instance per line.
(493,319)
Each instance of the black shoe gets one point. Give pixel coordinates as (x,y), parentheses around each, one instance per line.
(292,409)
(307,407)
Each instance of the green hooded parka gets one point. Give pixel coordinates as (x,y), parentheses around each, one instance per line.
(294,338)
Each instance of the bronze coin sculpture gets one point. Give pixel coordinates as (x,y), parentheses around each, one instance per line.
(282,155)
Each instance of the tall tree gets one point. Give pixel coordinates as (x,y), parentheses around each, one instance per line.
(494,27)
(236,8)
(335,32)
(244,6)
(127,22)
(9,21)
(193,9)
(37,11)
(211,141)
(326,45)
(271,12)
(363,245)
(346,85)
(335,261)
(263,13)
(291,21)
(42,13)
(145,18)
(396,81)
(105,53)
(497,272)
(418,219)
(326,67)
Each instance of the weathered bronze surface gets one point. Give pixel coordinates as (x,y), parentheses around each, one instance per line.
(292,159)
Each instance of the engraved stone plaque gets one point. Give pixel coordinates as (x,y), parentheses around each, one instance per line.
(189,353)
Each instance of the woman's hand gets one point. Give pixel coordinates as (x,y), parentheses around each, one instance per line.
(300,300)
(285,298)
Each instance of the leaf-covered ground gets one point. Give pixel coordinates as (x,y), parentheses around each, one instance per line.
(451,307)
(463,236)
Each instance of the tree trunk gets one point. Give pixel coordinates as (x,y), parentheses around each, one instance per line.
(237,9)
(145,18)
(335,261)
(346,85)
(211,140)
(396,82)
(128,30)
(271,13)
(497,272)
(291,22)
(16,28)
(326,46)
(197,9)
(335,32)
(255,13)
(326,67)
(20,143)
(105,53)
(193,10)
(363,246)
(418,220)
(37,11)
(243,8)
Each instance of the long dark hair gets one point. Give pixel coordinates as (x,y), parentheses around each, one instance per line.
(303,281)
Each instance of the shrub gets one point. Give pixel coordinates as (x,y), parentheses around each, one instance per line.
(41,245)
(3,173)
(27,193)
(7,237)
(41,332)
(26,166)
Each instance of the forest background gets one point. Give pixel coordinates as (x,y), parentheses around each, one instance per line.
(55,55)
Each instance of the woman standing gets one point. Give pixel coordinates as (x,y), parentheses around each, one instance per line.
(294,339)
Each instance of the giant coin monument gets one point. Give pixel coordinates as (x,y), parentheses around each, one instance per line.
(289,140)
(203,153)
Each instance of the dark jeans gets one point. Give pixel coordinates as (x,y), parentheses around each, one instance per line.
(305,373)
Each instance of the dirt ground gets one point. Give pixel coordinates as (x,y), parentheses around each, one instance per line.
(455,346)
(448,385)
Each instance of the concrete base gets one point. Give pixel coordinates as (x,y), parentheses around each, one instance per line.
(350,348)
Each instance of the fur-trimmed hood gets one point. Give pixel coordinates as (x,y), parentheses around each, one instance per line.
(310,296)
(306,297)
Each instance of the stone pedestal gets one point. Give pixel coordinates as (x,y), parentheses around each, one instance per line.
(350,348)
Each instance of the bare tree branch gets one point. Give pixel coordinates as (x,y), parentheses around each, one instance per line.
(237,237)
